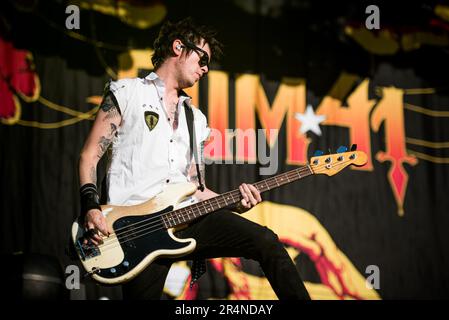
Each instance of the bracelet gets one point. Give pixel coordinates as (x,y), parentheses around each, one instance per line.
(89,198)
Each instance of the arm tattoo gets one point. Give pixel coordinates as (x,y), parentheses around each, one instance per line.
(112,113)
(106,141)
(107,103)
(113,130)
(109,106)
(93,175)
(104,144)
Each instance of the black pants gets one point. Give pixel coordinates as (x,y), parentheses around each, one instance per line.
(226,234)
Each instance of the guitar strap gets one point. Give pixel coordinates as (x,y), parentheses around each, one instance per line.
(189,118)
(198,267)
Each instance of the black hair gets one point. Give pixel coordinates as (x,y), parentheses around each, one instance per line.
(184,30)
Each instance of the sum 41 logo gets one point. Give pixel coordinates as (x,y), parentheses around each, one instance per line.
(373,278)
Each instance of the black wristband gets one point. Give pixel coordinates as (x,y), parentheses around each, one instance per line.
(89,198)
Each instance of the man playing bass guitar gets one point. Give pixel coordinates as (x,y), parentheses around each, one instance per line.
(145,123)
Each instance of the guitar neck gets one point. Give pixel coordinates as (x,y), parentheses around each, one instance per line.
(230,198)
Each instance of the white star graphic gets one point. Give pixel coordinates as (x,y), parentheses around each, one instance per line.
(310,121)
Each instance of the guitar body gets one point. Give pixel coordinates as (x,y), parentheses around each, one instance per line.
(139,240)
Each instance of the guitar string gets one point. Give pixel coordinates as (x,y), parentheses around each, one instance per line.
(220,203)
(150,228)
(229,193)
(158,221)
(159,226)
(302,169)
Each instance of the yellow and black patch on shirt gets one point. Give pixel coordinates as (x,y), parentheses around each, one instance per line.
(151,119)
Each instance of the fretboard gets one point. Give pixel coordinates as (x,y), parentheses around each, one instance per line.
(230,198)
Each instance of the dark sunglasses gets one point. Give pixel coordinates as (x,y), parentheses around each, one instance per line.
(204,57)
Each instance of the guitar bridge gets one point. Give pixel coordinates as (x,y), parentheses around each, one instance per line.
(86,251)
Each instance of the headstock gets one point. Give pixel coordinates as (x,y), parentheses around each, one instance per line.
(331,164)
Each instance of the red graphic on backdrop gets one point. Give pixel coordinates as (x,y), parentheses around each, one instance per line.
(17,79)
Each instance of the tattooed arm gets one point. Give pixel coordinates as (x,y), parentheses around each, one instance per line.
(100,137)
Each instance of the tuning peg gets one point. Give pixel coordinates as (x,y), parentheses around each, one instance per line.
(342,149)
(353,147)
(318,153)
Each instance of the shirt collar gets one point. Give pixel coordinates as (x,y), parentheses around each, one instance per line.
(160,86)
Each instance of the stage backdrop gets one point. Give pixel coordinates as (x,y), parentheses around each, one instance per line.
(297,76)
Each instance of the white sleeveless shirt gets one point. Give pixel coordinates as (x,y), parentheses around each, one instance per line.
(147,153)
